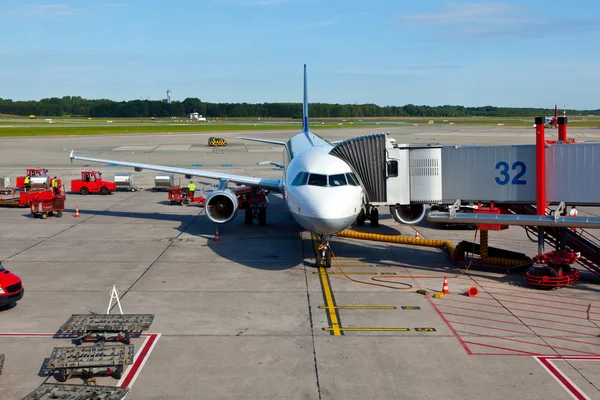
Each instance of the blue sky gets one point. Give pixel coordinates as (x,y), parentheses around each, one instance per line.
(387,52)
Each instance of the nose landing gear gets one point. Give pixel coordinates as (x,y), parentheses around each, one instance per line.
(323,253)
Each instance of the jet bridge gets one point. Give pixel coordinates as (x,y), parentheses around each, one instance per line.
(404,177)
(407,178)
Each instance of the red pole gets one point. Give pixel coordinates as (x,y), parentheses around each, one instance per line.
(540,167)
(562,129)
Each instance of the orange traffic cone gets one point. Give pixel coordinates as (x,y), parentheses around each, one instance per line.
(76,212)
(445,289)
(217,240)
(416,234)
(472,292)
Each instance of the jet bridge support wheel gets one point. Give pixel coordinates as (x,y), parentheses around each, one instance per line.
(374,218)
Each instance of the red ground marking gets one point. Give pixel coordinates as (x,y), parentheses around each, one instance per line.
(481,311)
(565,382)
(525,342)
(456,335)
(534,298)
(530,326)
(521,309)
(528,333)
(496,329)
(501,301)
(517,316)
(524,353)
(139,361)
(540,294)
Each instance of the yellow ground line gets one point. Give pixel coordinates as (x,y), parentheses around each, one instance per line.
(364,307)
(335,325)
(370,329)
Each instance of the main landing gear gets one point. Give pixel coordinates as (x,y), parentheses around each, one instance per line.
(372,214)
(323,253)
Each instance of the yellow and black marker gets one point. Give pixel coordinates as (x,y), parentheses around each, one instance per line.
(216,141)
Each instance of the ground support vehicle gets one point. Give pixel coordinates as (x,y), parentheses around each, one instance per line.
(88,361)
(77,392)
(43,208)
(180,196)
(216,141)
(91,182)
(24,198)
(38,178)
(553,269)
(11,287)
(119,327)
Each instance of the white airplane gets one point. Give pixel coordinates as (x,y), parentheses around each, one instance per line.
(320,190)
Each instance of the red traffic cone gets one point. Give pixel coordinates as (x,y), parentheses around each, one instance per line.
(416,234)
(445,289)
(76,212)
(472,292)
(217,239)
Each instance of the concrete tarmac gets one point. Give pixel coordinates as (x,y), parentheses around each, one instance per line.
(251,316)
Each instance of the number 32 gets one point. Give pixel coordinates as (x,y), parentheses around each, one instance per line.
(504,177)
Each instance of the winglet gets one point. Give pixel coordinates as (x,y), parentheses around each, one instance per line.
(71,156)
(305,106)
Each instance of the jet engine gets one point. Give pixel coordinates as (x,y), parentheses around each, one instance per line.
(410,214)
(221,206)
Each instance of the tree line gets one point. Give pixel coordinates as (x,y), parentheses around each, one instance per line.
(78,106)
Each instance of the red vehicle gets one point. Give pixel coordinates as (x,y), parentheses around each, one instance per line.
(11,288)
(92,182)
(38,177)
(24,198)
(180,196)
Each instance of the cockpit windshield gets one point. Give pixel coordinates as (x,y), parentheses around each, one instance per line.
(317,180)
(337,180)
(300,179)
(352,179)
(305,178)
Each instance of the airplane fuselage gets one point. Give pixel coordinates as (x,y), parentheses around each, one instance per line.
(320,190)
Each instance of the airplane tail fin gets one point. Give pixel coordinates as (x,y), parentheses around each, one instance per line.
(305,106)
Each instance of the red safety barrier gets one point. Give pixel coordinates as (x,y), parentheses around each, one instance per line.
(561,280)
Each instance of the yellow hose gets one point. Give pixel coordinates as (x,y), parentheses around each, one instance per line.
(484,248)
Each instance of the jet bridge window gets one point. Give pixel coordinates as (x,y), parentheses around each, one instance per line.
(337,180)
(352,179)
(317,180)
(392,168)
(301,179)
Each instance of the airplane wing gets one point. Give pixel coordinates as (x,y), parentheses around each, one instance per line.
(269,184)
(263,140)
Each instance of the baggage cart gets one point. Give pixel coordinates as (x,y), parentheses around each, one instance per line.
(43,208)
(77,392)
(102,327)
(163,182)
(124,182)
(88,361)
